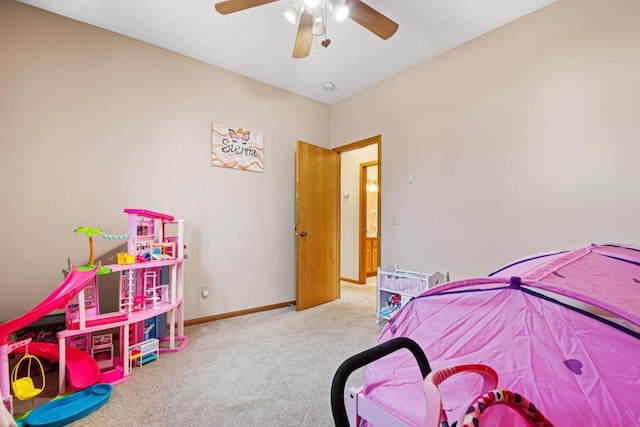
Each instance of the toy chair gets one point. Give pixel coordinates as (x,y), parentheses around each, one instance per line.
(24,388)
(139,302)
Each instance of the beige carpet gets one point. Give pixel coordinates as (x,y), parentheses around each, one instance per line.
(272,368)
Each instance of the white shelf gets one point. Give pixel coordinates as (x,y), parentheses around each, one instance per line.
(144,352)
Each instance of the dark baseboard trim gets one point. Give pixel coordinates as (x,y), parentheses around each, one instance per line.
(237,313)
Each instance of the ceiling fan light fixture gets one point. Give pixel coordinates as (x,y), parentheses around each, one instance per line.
(339,9)
(318,28)
(311,4)
(291,14)
(341,13)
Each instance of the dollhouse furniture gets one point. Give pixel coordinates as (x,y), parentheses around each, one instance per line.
(144,352)
(102,350)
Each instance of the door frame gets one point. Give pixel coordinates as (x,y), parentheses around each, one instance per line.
(362,279)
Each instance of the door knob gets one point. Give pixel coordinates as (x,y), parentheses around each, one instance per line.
(303,234)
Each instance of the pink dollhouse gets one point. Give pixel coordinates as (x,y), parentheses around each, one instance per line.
(105,347)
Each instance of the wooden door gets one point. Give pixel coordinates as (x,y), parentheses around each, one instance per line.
(368,260)
(371,256)
(317,225)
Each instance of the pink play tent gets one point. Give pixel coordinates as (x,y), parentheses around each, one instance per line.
(560,329)
(608,273)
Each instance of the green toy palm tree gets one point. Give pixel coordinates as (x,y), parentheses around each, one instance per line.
(89,232)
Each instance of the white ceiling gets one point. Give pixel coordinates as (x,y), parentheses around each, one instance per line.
(258,42)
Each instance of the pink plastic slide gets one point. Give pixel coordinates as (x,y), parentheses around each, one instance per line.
(72,284)
(82,370)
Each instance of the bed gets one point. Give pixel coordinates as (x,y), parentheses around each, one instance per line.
(559,329)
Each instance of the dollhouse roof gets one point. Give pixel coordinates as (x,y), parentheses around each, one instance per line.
(150,214)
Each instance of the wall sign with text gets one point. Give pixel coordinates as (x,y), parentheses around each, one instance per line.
(236,148)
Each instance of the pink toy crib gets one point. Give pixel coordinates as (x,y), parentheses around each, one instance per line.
(570,349)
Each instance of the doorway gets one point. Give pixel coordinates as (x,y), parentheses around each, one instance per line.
(319,223)
(360,228)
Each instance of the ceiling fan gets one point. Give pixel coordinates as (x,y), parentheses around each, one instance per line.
(311,15)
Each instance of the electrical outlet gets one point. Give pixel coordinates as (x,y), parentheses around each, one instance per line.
(205,291)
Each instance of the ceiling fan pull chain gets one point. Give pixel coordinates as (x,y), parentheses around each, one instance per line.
(326,20)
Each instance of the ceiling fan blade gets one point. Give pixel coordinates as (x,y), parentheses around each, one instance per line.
(304,38)
(231,6)
(371,19)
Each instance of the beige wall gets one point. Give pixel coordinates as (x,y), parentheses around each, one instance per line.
(92,122)
(523,140)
